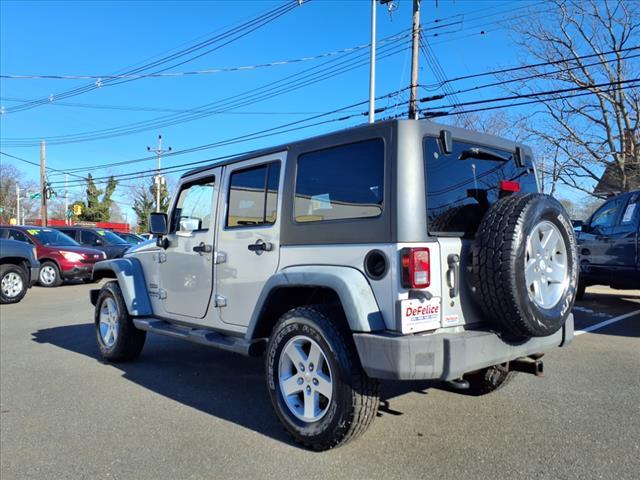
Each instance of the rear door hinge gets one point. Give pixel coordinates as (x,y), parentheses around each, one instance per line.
(162,293)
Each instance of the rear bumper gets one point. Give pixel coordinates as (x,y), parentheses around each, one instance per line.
(446,356)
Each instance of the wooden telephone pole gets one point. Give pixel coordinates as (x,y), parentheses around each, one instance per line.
(415,48)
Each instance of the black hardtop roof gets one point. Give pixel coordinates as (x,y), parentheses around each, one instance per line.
(286,146)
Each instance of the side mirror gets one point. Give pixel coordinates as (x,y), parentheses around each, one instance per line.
(188,225)
(158,224)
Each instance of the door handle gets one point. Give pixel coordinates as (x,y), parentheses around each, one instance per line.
(453,274)
(260,246)
(202,248)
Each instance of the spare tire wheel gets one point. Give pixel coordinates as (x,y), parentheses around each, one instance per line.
(525,268)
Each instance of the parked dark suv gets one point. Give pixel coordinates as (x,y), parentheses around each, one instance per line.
(609,244)
(99,238)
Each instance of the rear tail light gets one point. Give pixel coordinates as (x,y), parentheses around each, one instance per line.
(508,186)
(416,267)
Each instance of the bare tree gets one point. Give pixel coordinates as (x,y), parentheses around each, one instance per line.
(10,176)
(590,136)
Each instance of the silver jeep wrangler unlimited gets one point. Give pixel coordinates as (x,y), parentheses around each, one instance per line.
(400,250)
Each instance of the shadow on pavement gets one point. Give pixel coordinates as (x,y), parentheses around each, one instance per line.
(223,384)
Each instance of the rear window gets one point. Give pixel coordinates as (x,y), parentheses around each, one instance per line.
(460,190)
(344,182)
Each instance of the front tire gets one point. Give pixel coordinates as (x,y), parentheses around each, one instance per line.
(49,275)
(315,381)
(13,283)
(118,338)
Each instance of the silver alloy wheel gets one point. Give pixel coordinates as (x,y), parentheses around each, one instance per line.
(108,322)
(305,379)
(546,268)
(48,275)
(12,285)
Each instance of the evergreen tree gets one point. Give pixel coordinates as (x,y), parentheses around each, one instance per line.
(96,209)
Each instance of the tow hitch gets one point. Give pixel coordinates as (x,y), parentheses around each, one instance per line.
(532,365)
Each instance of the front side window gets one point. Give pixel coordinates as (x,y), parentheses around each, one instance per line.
(606,216)
(194,206)
(253,196)
(345,182)
(460,187)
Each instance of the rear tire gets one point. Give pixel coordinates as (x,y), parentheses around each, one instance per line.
(328,403)
(488,380)
(49,275)
(13,283)
(118,338)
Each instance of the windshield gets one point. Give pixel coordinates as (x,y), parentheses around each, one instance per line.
(47,236)
(111,237)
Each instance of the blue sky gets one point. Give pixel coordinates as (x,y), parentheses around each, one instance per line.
(97,38)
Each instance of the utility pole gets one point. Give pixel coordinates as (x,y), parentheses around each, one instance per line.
(158,179)
(66,198)
(372,66)
(17,204)
(43,183)
(413,109)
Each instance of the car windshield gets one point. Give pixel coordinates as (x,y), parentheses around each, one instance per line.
(48,236)
(111,237)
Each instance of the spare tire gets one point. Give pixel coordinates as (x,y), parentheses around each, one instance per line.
(525,267)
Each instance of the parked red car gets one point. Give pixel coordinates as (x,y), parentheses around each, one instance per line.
(61,257)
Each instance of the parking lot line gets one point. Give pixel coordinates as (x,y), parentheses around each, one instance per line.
(600,325)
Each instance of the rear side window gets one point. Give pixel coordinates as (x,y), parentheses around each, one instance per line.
(344,182)
(19,236)
(460,190)
(87,237)
(253,196)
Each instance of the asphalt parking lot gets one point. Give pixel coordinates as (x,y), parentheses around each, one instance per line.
(186,411)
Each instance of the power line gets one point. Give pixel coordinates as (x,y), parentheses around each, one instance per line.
(134,108)
(253,136)
(532,65)
(432,114)
(535,94)
(180,74)
(219,41)
(38,164)
(284,85)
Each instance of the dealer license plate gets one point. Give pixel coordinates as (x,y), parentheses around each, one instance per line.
(419,315)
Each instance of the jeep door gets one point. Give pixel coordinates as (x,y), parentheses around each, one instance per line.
(186,265)
(248,235)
